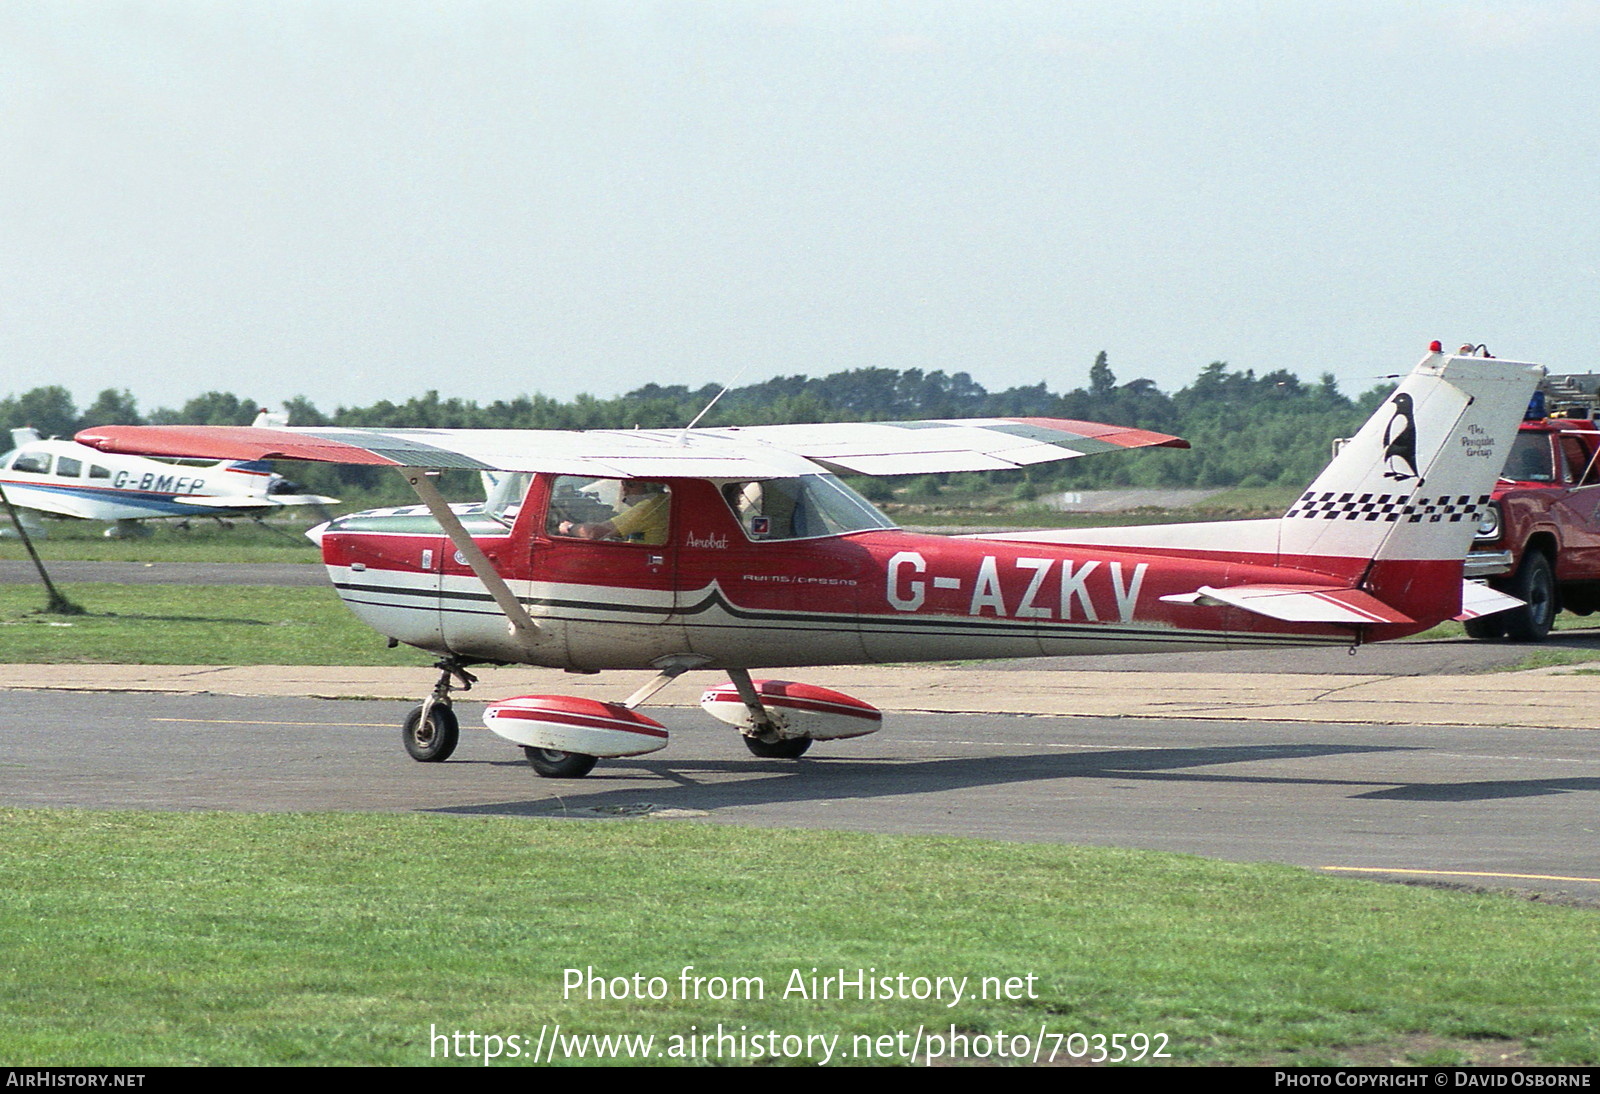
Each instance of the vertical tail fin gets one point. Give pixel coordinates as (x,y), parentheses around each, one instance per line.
(1408,487)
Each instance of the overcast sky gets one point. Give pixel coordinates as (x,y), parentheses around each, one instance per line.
(355,200)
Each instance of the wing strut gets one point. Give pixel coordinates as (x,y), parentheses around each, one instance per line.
(522,625)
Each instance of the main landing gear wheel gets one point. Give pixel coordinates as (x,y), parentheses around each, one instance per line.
(433,741)
(790,748)
(553,764)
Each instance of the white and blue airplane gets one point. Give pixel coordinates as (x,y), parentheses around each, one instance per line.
(64,478)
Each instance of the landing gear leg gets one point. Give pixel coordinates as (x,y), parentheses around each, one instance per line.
(765,741)
(431,730)
(661,679)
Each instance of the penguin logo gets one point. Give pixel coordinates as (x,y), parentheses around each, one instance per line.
(1400,441)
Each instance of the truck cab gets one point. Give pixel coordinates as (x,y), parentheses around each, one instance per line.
(1539,538)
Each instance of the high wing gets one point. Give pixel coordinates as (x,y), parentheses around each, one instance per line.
(868,448)
(952,444)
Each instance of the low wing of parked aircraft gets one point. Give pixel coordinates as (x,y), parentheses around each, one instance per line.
(71,480)
(735,549)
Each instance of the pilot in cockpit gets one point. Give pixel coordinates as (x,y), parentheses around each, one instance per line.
(642,518)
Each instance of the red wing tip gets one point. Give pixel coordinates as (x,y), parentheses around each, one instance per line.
(1110,434)
(219,442)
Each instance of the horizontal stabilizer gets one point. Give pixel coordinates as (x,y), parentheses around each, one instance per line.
(300,499)
(1297,603)
(1478,599)
(252,501)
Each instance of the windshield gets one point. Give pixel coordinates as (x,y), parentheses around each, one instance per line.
(505,496)
(800,508)
(1530,459)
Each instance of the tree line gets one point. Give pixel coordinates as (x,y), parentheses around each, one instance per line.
(1246,429)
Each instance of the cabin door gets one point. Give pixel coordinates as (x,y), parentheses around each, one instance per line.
(604,569)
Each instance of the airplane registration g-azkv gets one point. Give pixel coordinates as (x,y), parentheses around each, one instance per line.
(67,479)
(737,549)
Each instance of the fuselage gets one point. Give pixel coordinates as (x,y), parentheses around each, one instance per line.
(70,479)
(726,589)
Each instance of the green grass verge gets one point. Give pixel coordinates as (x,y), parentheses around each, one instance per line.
(1536,656)
(147,939)
(191,625)
(205,542)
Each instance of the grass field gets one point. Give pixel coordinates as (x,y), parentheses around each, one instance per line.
(191,625)
(204,542)
(142,939)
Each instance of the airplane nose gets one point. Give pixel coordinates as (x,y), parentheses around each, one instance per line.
(315,534)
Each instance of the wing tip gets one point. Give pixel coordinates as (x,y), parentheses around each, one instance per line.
(225,442)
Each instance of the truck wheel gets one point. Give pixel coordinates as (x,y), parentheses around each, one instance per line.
(1535,583)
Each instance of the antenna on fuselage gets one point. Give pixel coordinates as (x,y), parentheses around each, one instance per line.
(684,436)
(702,414)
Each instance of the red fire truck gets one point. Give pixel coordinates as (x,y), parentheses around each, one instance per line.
(1539,539)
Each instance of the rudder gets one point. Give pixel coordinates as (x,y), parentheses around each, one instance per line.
(1405,492)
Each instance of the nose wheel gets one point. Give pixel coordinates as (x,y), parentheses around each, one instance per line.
(432,731)
(431,734)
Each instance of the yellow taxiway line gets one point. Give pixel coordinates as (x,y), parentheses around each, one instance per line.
(1455,873)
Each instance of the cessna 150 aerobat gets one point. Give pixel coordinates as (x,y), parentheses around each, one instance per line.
(69,480)
(732,549)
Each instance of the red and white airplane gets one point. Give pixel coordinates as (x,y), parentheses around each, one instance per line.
(734,549)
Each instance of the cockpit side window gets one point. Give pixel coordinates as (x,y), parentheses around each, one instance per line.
(806,507)
(610,510)
(37,463)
